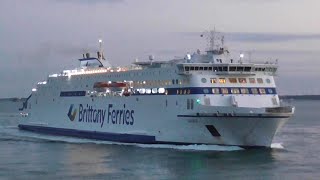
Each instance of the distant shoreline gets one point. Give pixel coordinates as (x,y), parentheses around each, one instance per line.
(301,97)
(305,97)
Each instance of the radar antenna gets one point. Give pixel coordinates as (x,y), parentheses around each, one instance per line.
(215,42)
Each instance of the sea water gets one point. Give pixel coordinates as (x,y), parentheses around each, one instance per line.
(294,154)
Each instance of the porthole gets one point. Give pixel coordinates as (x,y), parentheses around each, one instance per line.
(203,80)
(268,81)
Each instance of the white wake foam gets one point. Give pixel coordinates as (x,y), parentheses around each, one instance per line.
(192,147)
(277,146)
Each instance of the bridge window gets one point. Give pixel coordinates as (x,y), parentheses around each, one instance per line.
(187,68)
(225,68)
(247,69)
(270,91)
(210,68)
(233,80)
(205,68)
(201,68)
(191,68)
(260,80)
(232,68)
(222,80)
(242,80)
(240,68)
(205,91)
(196,68)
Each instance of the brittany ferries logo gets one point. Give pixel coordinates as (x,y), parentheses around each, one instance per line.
(111,115)
(72,115)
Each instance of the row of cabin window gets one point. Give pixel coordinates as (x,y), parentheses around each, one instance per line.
(221,68)
(236,80)
(225,68)
(241,91)
(183,91)
(161,82)
(266,69)
(233,91)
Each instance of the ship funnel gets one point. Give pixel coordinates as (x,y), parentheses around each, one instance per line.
(87,55)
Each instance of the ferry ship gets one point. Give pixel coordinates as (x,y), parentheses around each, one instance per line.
(202,98)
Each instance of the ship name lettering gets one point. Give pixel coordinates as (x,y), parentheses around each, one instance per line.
(89,114)
(120,116)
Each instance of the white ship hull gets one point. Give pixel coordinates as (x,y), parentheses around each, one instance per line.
(133,120)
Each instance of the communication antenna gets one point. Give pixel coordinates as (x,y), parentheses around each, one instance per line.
(212,37)
(222,41)
(101,55)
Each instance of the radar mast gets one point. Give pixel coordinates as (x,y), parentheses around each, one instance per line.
(215,42)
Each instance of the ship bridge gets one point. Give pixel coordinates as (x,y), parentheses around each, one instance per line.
(227,68)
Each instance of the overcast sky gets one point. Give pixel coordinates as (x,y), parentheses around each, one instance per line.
(41,37)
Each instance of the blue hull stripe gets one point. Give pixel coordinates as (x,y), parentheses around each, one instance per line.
(115,137)
(125,138)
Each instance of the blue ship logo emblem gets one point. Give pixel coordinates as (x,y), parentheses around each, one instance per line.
(72,115)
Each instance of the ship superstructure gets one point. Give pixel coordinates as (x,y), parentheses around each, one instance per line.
(203,98)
